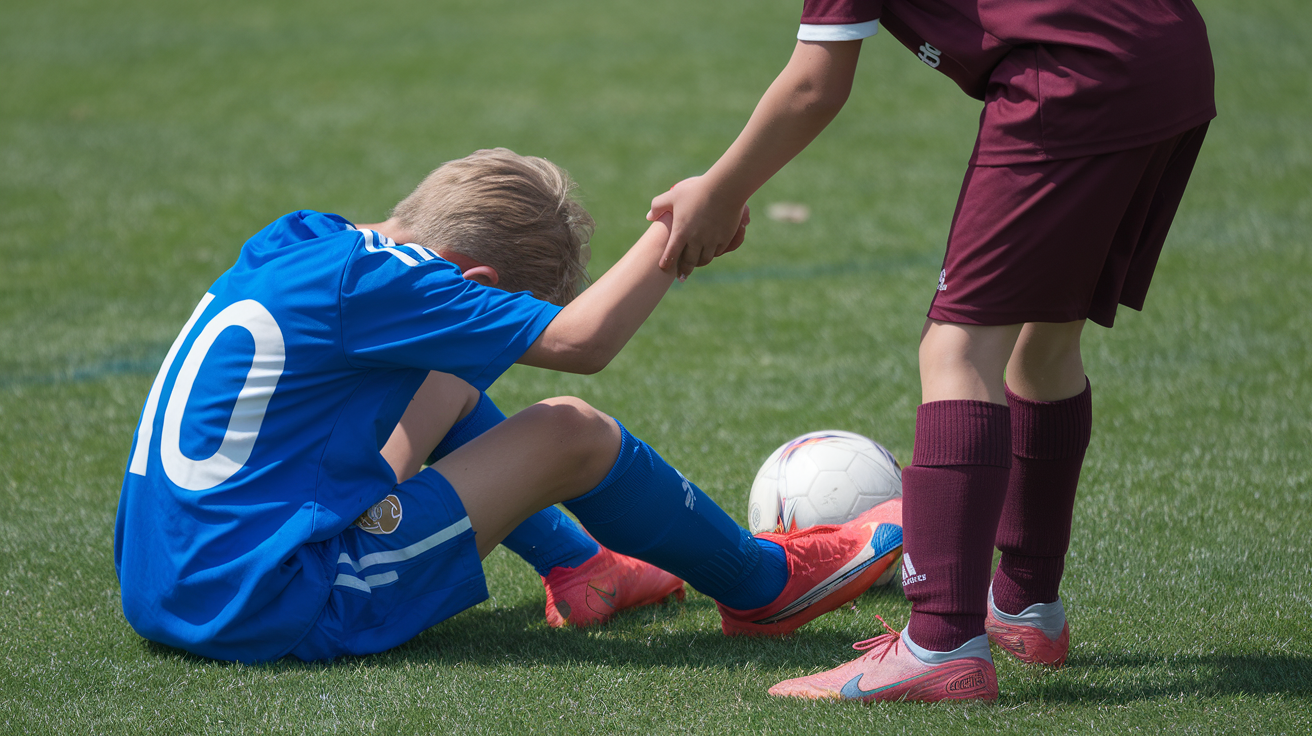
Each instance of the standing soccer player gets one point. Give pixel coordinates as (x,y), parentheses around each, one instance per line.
(1093,117)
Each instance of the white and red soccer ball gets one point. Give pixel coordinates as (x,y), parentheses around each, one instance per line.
(825,477)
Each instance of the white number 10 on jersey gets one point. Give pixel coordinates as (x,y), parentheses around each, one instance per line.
(247,414)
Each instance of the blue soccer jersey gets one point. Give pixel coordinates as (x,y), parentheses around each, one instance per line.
(259,442)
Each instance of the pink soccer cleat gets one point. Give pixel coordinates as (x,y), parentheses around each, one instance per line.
(828,566)
(889,670)
(1038,635)
(608,582)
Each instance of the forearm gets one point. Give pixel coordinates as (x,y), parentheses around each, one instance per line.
(591,330)
(801,102)
(803,99)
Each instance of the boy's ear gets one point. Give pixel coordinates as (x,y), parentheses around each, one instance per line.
(485,275)
(471,269)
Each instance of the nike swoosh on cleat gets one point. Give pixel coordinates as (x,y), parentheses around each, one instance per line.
(853,691)
(607,596)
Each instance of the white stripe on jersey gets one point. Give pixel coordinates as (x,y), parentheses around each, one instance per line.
(386,245)
(423,252)
(850,32)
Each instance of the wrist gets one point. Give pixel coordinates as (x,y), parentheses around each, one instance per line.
(729,186)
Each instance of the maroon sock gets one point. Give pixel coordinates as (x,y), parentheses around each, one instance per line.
(1048,439)
(952,497)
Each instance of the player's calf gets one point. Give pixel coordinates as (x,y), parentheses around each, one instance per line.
(647,509)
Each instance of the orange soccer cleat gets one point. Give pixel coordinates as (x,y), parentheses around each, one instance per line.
(828,566)
(607,583)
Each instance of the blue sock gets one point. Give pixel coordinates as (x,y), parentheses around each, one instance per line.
(646,509)
(546,539)
(550,539)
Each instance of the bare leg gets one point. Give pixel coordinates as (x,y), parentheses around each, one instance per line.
(1046,364)
(552,451)
(562,449)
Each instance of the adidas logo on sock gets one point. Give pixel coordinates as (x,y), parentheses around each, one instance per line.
(909,574)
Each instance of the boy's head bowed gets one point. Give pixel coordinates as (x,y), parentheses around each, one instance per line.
(513,213)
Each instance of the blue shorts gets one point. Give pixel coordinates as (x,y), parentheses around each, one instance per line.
(409,563)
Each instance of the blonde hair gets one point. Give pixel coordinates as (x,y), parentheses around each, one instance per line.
(514,213)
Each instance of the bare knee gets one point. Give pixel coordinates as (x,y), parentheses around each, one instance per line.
(959,361)
(587,439)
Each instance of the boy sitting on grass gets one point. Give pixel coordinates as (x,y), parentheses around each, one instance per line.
(275,504)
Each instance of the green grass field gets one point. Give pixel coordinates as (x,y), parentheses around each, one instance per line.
(142,141)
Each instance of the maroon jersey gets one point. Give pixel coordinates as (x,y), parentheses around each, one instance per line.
(1059,78)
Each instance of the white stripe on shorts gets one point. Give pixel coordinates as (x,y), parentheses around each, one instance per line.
(369,583)
(405,553)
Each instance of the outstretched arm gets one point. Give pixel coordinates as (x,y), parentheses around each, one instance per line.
(803,99)
(590,330)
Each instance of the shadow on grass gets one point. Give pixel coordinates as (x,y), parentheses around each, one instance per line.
(676,635)
(1130,678)
(671,634)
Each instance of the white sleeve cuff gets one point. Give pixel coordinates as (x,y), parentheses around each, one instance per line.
(853,32)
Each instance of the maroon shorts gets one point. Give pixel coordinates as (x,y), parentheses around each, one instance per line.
(1060,241)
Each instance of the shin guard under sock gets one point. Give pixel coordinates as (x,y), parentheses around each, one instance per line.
(646,509)
(1048,440)
(546,539)
(952,496)
(550,539)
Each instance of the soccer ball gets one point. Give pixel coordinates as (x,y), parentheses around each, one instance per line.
(826,477)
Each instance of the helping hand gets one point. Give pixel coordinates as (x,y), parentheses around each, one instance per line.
(703,228)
